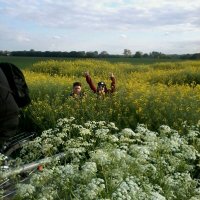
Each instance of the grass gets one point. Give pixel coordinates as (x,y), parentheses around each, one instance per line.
(26,62)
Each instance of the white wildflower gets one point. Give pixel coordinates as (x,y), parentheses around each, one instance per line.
(46,133)
(101,133)
(119,154)
(150,136)
(25,190)
(124,146)
(139,151)
(163,129)
(100,156)
(3,159)
(192,134)
(189,152)
(141,128)
(195,198)
(89,167)
(101,123)
(63,121)
(77,150)
(90,124)
(157,196)
(95,187)
(113,138)
(67,170)
(112,126)
(127,132)
(85,131)
(127,189)
(47,148)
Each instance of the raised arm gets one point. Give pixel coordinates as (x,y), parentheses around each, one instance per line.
(112,78)
(90,82)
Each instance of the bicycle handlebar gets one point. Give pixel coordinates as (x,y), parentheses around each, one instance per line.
(32,165)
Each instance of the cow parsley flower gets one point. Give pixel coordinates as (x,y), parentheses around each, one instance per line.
(90,124)
(163,129)
(101,133)
(85,131)
(157,196)
(94,188)
(100,156)
(126,190)
(139,151)
(67,170)
(25,190)
(141,128)
(193,133)
(113,138)
(127,132)
(89,167)
(112,126)
(119,154)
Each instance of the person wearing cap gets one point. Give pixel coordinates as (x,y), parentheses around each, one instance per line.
(101,88)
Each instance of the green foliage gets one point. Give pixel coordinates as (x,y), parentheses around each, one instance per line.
(169,105)
(21,62)
(27,62)
(190,77)
(176,73)
(45,112)
(74,68)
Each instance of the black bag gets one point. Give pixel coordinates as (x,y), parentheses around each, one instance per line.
(17,83)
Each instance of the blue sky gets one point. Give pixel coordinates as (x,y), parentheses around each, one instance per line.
(167,26)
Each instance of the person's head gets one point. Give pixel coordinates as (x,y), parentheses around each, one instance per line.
(77,88)
(101,87)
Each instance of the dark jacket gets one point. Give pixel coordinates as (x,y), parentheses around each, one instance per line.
(8,111)
(81,95)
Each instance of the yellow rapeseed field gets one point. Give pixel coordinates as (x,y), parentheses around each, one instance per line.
(156,94)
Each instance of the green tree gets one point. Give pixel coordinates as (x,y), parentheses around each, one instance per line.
(127,52)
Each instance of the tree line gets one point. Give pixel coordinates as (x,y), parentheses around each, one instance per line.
(94,54)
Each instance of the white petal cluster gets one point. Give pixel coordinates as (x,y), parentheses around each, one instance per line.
(164,129)
(94,188)
(127,132)
(157,196)
(3,158)
(25,190)
(89,167)
(101,133)
(128,189)
(85,131)
(100,157)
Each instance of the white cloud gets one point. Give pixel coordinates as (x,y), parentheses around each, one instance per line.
(57,37)
(14,35)
(123,36)
(89,23)
(22,38)
(105,13)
